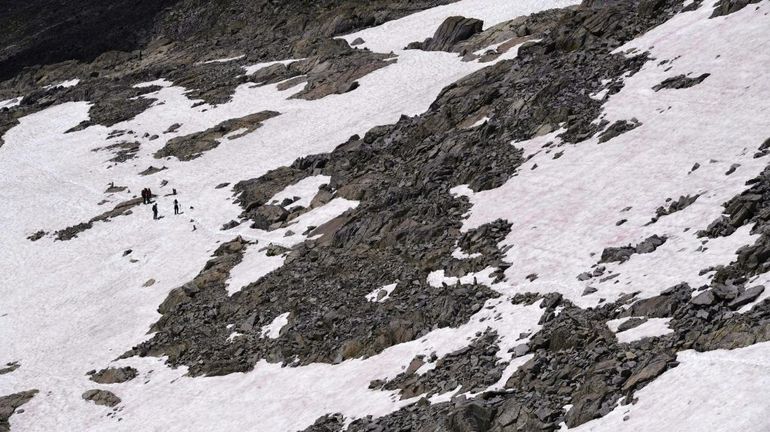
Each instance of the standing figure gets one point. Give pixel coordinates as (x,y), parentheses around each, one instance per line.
(155,211)
(176,207)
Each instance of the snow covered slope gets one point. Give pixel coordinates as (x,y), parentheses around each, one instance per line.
(565,237)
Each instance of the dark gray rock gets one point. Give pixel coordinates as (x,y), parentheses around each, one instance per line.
(726,7)
(618,128)
(674,206)
(114,375)
(706,298)
(631,323)
(9,404)
(624,253)
(122,209)
(680,82)
(452,31)
(470,418)
(746,297)
(192,146)
(101,397)
(9,367)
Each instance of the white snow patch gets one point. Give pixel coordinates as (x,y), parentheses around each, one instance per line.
(460,254)
(600,94)
(479,122)
(372,296)
(161,82)
(305,189)
(251,69)
(653,327)
(224,60)
(273,330)
(437,278)
(10,103)
(492,47)
(233,335)
(64,84)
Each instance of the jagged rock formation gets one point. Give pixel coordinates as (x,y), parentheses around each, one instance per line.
(452,31)
(10,404)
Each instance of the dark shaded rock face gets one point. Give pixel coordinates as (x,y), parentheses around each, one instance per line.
(9,404)
(40,32)
(452,31)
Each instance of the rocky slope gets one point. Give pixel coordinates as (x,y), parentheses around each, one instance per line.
(430,216)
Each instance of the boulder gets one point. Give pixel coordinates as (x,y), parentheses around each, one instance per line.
(101,397)
(453,30)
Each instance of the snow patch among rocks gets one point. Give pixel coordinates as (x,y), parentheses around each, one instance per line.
(304,189)
(273,330)
(224,60)
(63,84)
(652,327)
(381,294)
(10,103)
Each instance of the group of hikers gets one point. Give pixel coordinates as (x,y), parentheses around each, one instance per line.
(147,199)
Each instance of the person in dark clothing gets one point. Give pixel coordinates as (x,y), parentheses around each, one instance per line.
(176,207)
(149,196)
(144,196)
(155,211)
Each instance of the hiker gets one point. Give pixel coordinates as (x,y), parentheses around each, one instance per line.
(173,191)
(149,196)
(155,211)
(176,207)
(144,196)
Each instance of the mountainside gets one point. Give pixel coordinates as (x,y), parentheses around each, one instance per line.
(468,216)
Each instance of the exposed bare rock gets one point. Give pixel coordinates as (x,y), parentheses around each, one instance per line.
(680,82)
(101,397)
(453,30)
(121,209)
(192,146)
(114,375)
(9,404)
